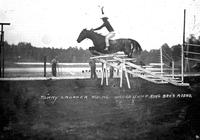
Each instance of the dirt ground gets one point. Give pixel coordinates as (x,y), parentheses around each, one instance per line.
(81,109)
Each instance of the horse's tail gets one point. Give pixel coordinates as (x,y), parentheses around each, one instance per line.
(135,47)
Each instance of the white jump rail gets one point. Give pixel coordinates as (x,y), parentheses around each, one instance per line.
(136,70)
(162,79)
(106,59)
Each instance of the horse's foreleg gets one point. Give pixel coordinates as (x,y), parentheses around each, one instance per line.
(93,51)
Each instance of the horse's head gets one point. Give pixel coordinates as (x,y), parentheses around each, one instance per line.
(82,35)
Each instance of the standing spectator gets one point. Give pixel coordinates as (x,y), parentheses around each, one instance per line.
(54,64)
(142,63)
(92,64)
(111,72)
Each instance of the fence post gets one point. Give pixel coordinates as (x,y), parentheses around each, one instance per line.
(2,49)
(2,52)
(45,65)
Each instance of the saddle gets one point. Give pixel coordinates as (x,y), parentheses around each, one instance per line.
(112,42)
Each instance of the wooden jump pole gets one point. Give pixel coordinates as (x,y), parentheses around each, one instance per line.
(182,48)
(172,68)
(161,61)
(104,73)
(2,51)
(121,76)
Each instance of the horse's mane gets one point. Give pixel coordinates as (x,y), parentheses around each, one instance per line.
(95,33)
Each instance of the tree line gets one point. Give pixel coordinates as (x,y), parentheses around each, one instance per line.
(25,52)
(173,53)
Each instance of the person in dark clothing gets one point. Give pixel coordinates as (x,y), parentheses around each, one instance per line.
(111,72)
(108,26)
(54,64)
(92,64)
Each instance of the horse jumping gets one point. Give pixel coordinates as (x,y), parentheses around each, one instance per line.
(129,46)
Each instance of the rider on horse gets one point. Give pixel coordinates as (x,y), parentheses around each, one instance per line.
(106,24)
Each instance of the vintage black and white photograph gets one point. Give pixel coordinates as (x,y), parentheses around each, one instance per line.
(100,70)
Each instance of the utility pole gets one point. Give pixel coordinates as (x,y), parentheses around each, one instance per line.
(2,51)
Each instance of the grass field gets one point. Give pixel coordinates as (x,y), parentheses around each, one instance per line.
(82,109)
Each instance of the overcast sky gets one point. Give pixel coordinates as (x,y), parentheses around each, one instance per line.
(57,23)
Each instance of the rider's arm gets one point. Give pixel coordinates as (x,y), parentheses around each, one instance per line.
(99,27)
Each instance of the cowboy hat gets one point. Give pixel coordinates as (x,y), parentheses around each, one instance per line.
(104,17)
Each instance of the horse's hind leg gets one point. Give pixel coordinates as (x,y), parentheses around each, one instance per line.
(128,50)
(130,54)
